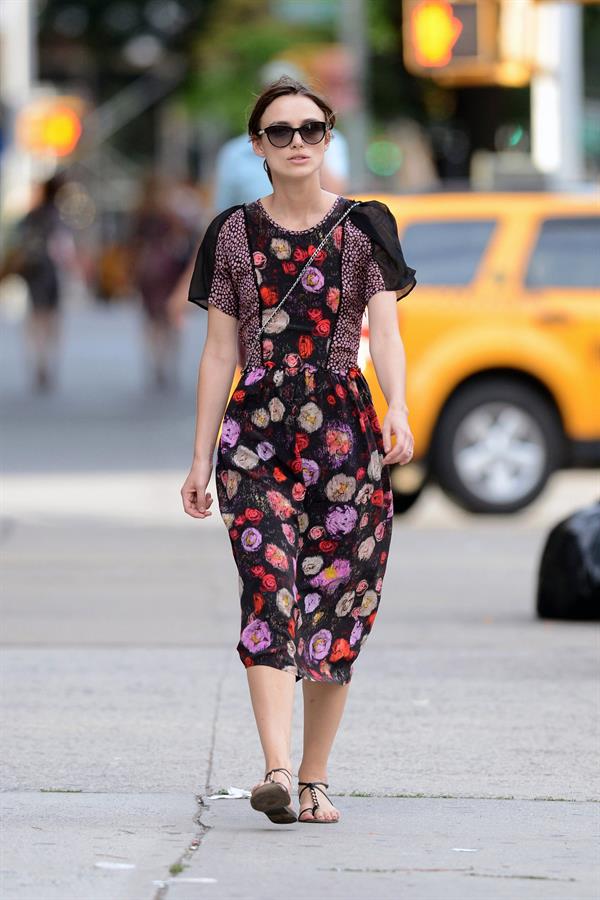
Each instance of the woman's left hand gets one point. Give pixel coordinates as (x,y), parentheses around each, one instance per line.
(396,422)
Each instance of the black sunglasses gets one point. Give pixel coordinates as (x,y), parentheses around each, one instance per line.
(282,135)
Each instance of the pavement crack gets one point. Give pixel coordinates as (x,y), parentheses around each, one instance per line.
(181,863)
(215,722)
(184,859)
(368,870)
(526,877)
(407,869)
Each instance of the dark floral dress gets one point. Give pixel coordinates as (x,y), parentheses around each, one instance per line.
(300,482)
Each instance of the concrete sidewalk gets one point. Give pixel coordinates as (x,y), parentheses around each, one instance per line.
(465,765)
(466,762)
(419,848)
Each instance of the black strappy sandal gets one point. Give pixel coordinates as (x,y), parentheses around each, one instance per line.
(313,787)
(274,799)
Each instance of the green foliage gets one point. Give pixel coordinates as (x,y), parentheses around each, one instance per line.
(239,39)
(383,26)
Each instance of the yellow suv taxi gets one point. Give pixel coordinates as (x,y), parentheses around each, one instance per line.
(502,340)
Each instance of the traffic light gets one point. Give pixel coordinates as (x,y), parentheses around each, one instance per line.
(464,42)
(435,30)
(440,35)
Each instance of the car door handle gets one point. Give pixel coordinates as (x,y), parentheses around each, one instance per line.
(553,318)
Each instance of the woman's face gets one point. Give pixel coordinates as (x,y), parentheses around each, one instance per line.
(299,159)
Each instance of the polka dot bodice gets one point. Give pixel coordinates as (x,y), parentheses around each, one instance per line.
(254,263)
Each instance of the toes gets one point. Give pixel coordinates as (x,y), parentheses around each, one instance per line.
(304,815)
(330,816)
(320,815)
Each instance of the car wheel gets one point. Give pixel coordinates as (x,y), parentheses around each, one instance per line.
(496,444)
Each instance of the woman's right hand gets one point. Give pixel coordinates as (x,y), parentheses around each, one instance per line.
(196,499)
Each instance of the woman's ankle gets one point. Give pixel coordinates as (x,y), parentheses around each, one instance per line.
(278,765)
(312,773)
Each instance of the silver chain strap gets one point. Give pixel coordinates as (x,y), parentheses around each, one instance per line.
(306,265)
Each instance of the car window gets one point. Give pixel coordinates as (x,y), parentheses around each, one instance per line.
(566,254)
(447,252)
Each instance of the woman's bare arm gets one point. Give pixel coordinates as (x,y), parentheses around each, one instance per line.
(215,374)
(389,359)
(177,302)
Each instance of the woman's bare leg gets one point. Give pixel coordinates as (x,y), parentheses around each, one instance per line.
(272,694)
(43,334)
(153,349)
(323,709)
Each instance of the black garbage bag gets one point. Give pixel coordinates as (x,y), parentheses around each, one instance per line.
(569,572)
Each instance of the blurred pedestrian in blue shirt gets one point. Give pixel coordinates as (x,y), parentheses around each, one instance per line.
(241,178)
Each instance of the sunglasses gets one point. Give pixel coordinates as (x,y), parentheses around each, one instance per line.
(282,135)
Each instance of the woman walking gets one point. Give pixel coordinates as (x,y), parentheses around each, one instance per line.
(301,475)
(160,243)
(41,250)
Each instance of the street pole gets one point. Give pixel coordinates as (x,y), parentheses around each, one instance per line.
(557,94)
(352,30)
(18,69)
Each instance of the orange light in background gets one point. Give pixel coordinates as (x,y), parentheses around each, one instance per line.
(51,125)
(435,30)
(61,130)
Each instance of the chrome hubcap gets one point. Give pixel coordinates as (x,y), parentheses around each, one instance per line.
(499,452)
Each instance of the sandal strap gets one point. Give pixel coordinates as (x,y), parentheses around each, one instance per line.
(307,809)
(270,772)
(313,786)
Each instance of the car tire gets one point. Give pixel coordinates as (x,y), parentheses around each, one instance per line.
(520,445)
(403,501)
(408,483)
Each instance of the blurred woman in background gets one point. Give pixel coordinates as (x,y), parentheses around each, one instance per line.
(160,247)
(41,246)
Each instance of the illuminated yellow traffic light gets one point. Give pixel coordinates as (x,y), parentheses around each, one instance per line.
(468,42)
(434,31)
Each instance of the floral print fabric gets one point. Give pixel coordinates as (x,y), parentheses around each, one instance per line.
(308,507)
(300,483)
(370,260)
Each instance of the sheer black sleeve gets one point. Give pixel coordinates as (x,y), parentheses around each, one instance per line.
(387,269)
(211,280)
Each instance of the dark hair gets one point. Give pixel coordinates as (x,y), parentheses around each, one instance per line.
(281,87)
